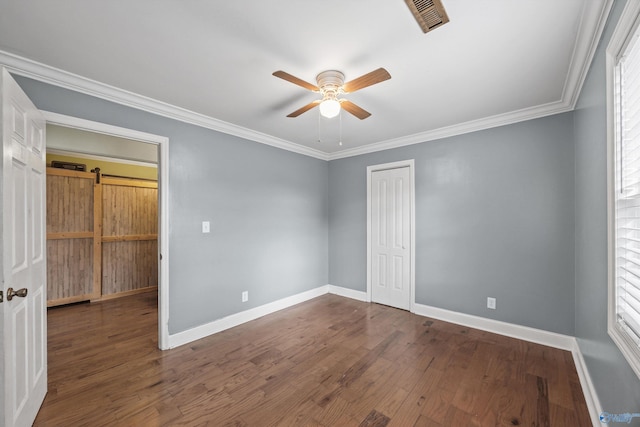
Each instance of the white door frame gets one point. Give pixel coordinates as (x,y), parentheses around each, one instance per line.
(163,193)
(412,211)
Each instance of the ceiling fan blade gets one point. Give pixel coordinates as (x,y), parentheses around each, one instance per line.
(293,79)
(352,108)
(305,108)
(368,79)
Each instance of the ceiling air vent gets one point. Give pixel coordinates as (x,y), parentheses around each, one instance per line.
(430,14)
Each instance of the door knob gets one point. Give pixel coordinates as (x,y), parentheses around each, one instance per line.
(19,293)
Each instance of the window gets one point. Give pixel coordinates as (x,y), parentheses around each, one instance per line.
(623,68)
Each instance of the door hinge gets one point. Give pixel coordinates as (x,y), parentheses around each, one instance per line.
(1,296)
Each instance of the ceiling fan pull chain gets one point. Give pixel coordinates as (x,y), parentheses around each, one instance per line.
(319,139)
(340,133)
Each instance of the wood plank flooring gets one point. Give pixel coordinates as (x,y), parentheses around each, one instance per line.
(330,361)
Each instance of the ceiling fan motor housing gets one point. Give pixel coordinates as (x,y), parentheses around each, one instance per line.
(330,82)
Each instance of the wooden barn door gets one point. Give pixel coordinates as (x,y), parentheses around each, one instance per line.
(129,236)
(73,237)
(102,236)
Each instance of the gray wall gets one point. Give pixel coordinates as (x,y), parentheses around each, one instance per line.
(494,217)
(616,384)
(267,207)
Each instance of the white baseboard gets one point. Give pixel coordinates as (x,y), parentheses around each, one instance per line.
(588,389)
(538,336)
(236,319)
(349,293)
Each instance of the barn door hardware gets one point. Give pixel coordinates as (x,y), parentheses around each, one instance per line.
(97,172)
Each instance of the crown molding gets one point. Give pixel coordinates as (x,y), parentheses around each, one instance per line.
(592,24)
(590,30)
(458,129)
(57,77)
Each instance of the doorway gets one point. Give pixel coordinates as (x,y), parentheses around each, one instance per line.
(391,234)
(162,146)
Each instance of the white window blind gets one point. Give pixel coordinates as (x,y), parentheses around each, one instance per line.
(627,191)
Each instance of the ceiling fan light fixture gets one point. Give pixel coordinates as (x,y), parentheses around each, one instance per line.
(330,108)
(331,85)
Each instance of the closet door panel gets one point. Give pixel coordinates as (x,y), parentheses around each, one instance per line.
(129,236)
(71,269)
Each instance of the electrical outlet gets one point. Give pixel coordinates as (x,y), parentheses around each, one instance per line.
(245,296)
(205,227)
(491,303)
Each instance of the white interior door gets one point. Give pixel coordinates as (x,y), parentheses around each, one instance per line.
(391,237)
(23,335)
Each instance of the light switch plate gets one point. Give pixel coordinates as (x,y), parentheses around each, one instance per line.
(205,227)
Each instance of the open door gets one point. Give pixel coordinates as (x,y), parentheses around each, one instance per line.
(23,332)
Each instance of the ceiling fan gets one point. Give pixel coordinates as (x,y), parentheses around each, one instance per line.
(331,85)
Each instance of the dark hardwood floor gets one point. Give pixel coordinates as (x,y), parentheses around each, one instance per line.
(330,361)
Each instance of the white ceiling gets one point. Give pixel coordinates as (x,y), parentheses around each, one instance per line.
(495,62)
